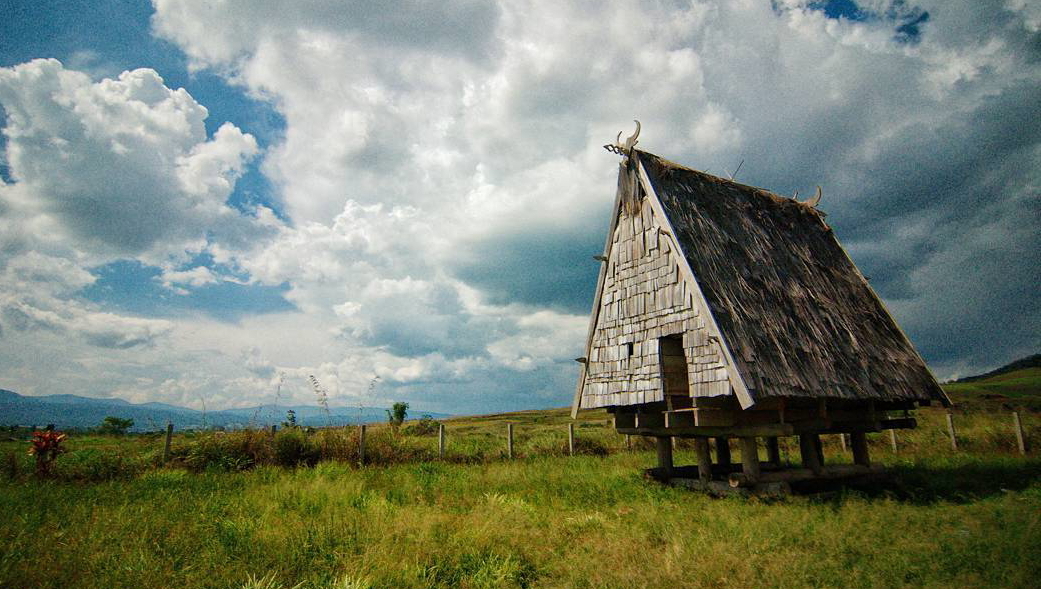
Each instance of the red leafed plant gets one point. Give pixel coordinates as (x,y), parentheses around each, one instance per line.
(46,446)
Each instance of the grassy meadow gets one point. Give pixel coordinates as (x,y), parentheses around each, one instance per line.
(229,512)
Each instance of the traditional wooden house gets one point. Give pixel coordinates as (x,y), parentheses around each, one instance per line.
(724,311)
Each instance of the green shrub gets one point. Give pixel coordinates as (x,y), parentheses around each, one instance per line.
(233,451)
(426,426)
(294,448)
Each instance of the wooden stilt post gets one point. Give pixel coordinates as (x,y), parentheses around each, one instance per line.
(773,451)
(842,440)
(704,458)
(1021,440)
(274,428)
(509,440)
(723,450)
(166,446)
(950,430)
(860,448)
(808,452)
(628,442)
(440,441)
(361,444)
(571,439)
(664,452)
(750,458)
(820,448)
(892,440)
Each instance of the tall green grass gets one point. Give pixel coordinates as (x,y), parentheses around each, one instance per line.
(554,521)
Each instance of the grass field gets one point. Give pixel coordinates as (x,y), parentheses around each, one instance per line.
(111,518)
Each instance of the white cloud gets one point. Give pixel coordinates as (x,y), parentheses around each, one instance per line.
(443,178)
(119,168)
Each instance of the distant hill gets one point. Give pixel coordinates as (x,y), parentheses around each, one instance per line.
(74,411)
(1028,362)
(1017,384)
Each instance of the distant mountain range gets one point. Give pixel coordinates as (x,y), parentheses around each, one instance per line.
(74,411)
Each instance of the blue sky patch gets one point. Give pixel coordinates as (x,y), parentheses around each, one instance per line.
(907,19)
(133,287)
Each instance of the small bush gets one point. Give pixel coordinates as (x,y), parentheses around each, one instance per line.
(294,448)
(426,426)
(233,451)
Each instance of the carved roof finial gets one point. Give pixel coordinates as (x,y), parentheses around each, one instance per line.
(624,149)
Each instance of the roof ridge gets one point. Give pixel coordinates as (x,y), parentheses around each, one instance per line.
(778,198)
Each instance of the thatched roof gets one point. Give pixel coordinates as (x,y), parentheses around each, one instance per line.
(798,317)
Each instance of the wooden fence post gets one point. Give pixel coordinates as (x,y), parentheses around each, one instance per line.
(950,430)
(441,441)
(571,439)
(361,444)
(892,439)
(166,446)
(1020,438)
(274,428)
(509,440)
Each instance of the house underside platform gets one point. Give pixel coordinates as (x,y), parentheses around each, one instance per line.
(713,424)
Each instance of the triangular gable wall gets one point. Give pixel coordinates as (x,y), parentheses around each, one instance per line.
(646,291)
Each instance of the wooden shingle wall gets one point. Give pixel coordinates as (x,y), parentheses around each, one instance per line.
(644,298)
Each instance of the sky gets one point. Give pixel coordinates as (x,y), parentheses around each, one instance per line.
(203,203)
